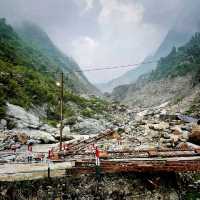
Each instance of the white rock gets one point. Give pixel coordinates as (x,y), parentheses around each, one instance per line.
(89,126)
(163,105)
(65,133)
(166,135)
(163,112)
(140,116)
(21,117)
(127,130)
(40,135)
(160,126)
(3,124)
(49,129)
(185,135)
(173,196)
(176,130)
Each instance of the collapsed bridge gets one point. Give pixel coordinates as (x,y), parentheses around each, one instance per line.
(143,160)
(75,160)
(139,165)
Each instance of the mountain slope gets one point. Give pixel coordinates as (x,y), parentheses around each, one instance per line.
(173,38)
(129,77)
(23,81)
(185,26)
(36,37)
(176,77)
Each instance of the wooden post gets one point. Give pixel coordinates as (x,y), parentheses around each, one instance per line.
(49,173)
(61,108)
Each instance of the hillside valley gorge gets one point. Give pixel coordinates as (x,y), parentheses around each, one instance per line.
(65,137)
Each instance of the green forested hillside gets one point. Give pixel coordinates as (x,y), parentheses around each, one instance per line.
(37,38)
(24,82)
(34,49)
(181,61)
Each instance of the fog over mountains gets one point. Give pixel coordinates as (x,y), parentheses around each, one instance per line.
(187,23)
(100,32)
(35,36)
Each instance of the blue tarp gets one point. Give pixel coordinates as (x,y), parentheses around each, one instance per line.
(188,119)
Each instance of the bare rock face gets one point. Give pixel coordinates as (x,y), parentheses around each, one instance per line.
(195,135)
(21,117)
(153,93)
(28,124)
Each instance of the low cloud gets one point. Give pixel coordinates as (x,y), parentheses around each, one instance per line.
(100,32)
(84,49)
(122,39)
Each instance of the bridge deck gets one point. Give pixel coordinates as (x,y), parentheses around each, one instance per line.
(175,164)
(17,172)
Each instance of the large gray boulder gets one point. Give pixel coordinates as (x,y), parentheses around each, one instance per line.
(160,126)
(89,126)
(42,136)
(3,124)
(48,129)
(22,118)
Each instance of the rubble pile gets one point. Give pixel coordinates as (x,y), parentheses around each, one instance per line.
(135,130)
(195,185)
(154,127)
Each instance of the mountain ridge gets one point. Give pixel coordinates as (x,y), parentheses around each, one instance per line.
(175,77)
(34,35)
(177,36)
(24,81)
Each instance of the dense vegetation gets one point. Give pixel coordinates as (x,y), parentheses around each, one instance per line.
(24,82)
(181,61)
(38,39)
(34,49)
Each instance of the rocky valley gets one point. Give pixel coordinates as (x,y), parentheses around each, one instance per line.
(62,138)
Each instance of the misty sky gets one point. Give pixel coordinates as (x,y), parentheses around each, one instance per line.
(99,32)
